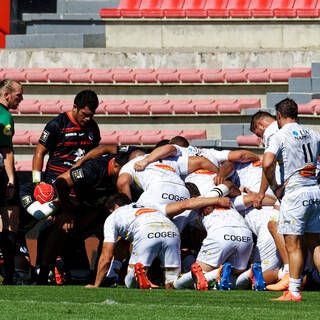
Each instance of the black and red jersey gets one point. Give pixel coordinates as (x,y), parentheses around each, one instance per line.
(67,142)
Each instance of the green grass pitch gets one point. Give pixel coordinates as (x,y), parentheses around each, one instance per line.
(76,302)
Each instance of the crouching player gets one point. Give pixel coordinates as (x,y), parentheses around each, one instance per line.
(152,234)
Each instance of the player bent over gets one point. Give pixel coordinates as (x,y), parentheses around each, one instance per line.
(153,235)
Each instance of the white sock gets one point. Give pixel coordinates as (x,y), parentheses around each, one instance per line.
(212,275)
(184,281)
(187,262)
(114,269)
(294,286)
(130,280)
(286,268)
(281,273)
(242,281)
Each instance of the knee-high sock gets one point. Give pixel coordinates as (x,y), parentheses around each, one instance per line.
(242,281)
(8,250)
(130,280)
(183,282)
(211,275)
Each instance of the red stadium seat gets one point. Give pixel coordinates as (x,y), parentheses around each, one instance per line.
(167,75)
(173,8)
(37,75)
(307,8)
(183,107)
(161,108)
(190,75)
(279,74)
(300,72)
(59,75)
(261,8)
(79,75)
(217,8)
(132,10)
(17,74)
(151,139)
(29,108)
(212,75)
(308,108)
(116,108)
(66,108)
(109,138)
(206,108)
(122,75)
(34,136)
(129,137)
(101,75)
(101,108)
(284,8)
(235,75)
(155,101)
(142,108)
(24,165)
(168,134)
(203,101)
(195,8)
(194,134)
(50,108)
(117,13)
(249,103)
(257,75)
(249,140)
(317,109)
(145,75)
(151,8)
(229,108)
(239,8)
(21,137)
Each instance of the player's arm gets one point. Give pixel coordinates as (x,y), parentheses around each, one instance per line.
(258,197)
(224,171)
(103,264)
(175,208)
(242,156)
(162,152)
(196,163)
(98,151)
(37,162)
(8,162)
(123,184)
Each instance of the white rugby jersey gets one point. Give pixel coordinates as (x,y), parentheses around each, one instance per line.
(165,170)
(126,220)
(299,147)
(269,132)
(203,179)
(249,175)
(215,156)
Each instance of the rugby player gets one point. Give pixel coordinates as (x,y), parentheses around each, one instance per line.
(299,217)
(152,233)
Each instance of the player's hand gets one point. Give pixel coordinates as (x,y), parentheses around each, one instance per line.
(205,211)
(140,165)
(90,286)
(10,191)
(257,200)
(224,202)
(68,222)
(218,180)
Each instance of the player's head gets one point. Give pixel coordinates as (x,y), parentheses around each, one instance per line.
(11,93)
(286,109)
(260,122)
(117,200)
(180,141)
(85,104)
(119,161)
(161,143)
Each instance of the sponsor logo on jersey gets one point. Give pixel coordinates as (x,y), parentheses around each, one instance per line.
(257,164)
(144,210)
(308,171)
(90,135)
(173,197)
(26,200)
(232,237)
(165,167)
(70,134)
(163,234)
(301,134)
(77,174)
(44,136)
(7,130)
(203,171)
(311,202)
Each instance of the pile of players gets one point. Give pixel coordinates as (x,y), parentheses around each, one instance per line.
(205,213)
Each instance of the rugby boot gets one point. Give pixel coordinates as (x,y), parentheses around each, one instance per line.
(281,285)
(198,277)
(224,276)
(141,276)
(256,276)
(288,296)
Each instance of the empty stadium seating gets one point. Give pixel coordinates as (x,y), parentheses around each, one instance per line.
(213,9)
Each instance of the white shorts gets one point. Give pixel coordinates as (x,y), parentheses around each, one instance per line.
(227,244)
(266,253)
(164,193)
(157,239)
(300,211)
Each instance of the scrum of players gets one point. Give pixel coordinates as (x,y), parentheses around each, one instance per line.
(178,216)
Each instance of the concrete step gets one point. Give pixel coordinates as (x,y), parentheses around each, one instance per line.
(85,6)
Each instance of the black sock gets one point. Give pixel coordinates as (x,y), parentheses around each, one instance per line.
(43,276)
(9,252)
